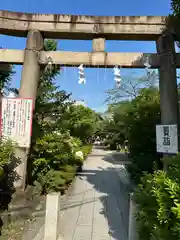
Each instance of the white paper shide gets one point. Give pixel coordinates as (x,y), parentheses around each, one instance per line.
(167,138)
(16,120)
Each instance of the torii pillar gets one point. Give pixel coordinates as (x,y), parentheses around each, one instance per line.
(28,89)
(168,80)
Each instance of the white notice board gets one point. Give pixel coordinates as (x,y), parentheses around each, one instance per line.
(16,120)
(167,138)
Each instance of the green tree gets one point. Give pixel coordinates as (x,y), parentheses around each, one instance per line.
(58,126)
(173,21)
(49,107)
(135,121)
(6,72)
(51,102)
(7,173)
(141,118)
(114,128)
(175,5)
(81,122)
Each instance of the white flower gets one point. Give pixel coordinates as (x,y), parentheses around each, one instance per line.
(79,154)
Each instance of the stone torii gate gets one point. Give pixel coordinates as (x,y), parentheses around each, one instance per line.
(36,27)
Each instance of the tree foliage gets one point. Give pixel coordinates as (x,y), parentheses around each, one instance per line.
(80,121)
(59,130)
(6,72)
(50,100)
(135,121)
(173,21)
(7,173)
(175,5)
(158,199)
(141,120)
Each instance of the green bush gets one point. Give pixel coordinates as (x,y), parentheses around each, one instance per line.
(142,115)
(68,172)
(6,152)
(55,152)
(6,156)
(56,161)
(52,181)
(158,200)
(56,180)
(86,149)
(79,159)
(7,173)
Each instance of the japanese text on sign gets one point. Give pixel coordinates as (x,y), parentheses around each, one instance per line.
(167,138)
(16,120)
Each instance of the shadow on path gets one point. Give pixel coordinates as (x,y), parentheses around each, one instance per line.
(113,194)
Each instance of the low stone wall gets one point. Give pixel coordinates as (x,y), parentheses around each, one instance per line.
(120,160)
(132,231)
(24,207)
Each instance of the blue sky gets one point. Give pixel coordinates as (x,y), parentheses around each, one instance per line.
(98,80)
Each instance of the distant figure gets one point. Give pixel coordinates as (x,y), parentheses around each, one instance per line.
(118,147)
(97,141)
(126,146)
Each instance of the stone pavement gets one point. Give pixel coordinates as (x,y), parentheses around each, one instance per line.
(98,207)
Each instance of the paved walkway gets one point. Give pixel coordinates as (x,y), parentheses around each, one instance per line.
(98,207)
